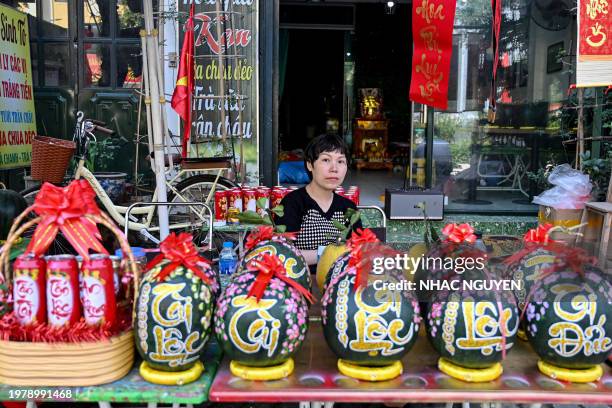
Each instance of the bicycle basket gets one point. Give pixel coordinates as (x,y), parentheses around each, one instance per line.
(50,158)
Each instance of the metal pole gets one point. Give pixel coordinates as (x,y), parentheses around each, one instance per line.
(178,204)
(580,135)
(221,62)
(242,165)
(156,114)
(147,97)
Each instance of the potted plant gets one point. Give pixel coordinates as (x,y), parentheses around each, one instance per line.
(99,156)
(599,173)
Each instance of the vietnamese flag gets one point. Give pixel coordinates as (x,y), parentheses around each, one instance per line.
(181,98)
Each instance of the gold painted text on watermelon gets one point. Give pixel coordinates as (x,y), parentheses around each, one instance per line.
(169,344)
(568,338)
(258,334)
(481,328)
(289,264)
(374,333)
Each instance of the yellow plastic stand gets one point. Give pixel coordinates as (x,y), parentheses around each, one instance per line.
(575,375)
(470,374)
(171,377)
(369,373)
(262,373)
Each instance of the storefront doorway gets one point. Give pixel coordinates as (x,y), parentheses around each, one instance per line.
(328,55)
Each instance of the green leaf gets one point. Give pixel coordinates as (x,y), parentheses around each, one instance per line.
(354,218)
(278,210)
(261,202)
(250,217)
(349,213)
(339,225)
(281,228)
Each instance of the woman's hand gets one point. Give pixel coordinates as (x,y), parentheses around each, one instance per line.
(310,256)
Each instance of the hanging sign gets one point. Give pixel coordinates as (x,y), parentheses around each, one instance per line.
(432,31)
(17,119)
(594,62)
(226,50)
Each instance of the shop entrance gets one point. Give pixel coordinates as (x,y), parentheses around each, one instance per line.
(329,55)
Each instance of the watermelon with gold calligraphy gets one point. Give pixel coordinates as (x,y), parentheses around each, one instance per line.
(338,267)
(471,328)
(294,262)
(527,270)
(569,317)
(366,325)
(260,333)
(173,318)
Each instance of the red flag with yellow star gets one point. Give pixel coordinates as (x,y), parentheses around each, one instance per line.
(183,90)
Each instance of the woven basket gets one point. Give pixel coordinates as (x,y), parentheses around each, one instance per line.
(50,158)
(65,364)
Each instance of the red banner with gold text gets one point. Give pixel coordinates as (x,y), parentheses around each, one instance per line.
(432,32)
(594,64)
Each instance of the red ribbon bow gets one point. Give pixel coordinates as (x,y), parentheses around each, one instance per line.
(179,250)
(359,238)
(538,235)
(459,233)
(265,233)
(270,266)
(65,210)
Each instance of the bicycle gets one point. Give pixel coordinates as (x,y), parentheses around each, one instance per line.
(142,220)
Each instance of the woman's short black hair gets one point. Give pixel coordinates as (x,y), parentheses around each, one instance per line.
(322,144)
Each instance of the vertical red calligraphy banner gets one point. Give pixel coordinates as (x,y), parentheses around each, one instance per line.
(595,29)
(432,32)
(594,62)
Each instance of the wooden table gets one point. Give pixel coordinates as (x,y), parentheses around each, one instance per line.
(317,380)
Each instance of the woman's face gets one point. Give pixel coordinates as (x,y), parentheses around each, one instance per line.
(329,170)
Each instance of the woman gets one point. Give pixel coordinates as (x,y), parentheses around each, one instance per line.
(309,211)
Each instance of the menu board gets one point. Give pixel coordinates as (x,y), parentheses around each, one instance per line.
(17,118)
(226,47)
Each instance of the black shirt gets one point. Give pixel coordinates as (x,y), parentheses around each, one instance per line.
(302,214)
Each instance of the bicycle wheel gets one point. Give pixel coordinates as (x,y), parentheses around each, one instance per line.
(195,189)
(30,194)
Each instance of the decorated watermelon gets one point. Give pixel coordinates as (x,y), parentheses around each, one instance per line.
(337,249)
(472,330)
(174,313)
(568,318)
(536,256)
(265,241)
(439,264)
(338,267)
(469,323)
(368,326)
(261,320)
